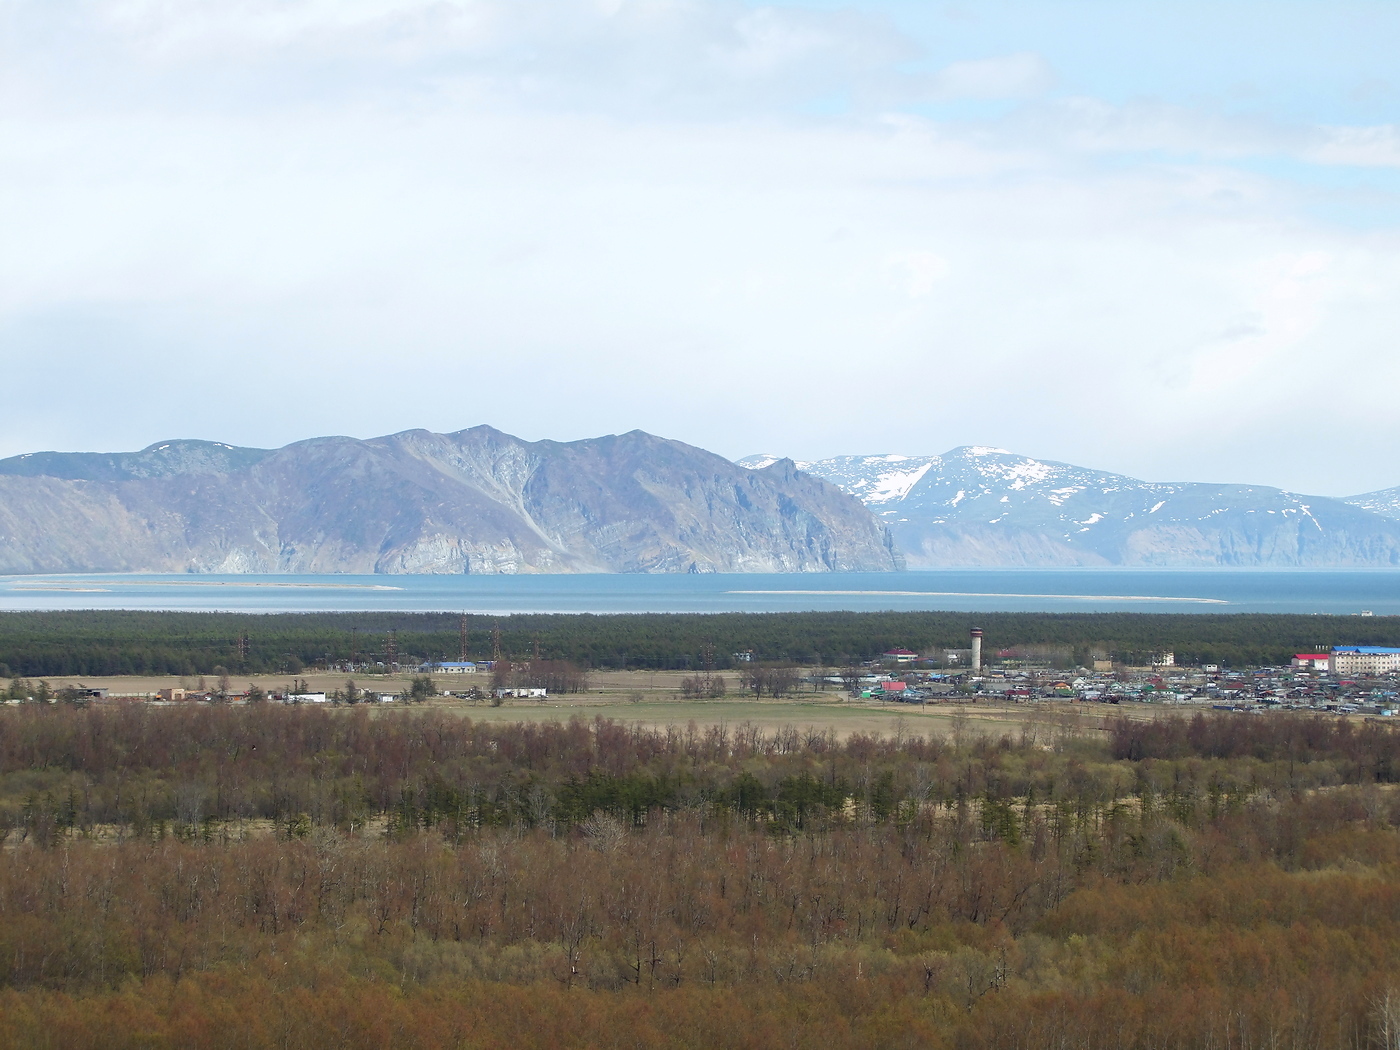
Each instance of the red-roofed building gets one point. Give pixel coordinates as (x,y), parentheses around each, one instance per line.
(1313,661)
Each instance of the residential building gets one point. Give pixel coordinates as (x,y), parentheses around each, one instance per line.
(1363,659)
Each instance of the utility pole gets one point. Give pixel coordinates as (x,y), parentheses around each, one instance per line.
(495,642)
(391,648)
(463,631)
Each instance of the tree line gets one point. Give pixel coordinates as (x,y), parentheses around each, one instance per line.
(208,771)
(39,644)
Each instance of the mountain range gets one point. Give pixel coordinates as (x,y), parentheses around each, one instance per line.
(475,501)
(482,501)
(989,507)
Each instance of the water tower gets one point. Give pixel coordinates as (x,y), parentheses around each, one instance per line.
(976,650)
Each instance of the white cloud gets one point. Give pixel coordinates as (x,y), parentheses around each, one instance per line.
(1366,147)
(917,272)
(257,220)
(186,29)
(691,57)
(1005,76)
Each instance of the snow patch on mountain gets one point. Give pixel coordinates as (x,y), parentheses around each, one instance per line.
(1386,502)
(762,460)
(875,480)
(979,505)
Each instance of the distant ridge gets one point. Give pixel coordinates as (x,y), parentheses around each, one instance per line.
(162,460)
(984,506)
(1386,502)
(476,501)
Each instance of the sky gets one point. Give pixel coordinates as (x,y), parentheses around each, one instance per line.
(1156,238)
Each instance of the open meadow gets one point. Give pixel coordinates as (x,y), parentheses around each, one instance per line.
(653,699)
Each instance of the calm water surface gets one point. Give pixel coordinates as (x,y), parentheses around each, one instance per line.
(1011,590)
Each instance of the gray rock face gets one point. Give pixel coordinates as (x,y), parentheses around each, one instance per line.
(983,506)
(476,501)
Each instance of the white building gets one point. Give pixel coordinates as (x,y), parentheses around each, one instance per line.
(458,667)
(901,656)
(1363,659)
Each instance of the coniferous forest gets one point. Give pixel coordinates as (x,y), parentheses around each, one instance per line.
(263,876)
(35,644)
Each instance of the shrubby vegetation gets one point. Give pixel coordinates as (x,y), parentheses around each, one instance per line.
(112,643)
(275,876)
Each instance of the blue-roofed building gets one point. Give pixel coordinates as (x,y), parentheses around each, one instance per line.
(459,667)
(1363,659)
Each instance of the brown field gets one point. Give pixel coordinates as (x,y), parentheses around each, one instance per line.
(652,698)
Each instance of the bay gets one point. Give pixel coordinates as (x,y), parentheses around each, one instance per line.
(1337,592)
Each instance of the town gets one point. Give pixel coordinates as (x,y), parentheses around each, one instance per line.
(1346,680)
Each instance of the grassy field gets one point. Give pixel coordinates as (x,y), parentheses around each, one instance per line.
(653,699)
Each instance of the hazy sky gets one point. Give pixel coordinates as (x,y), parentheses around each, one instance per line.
(1160,238)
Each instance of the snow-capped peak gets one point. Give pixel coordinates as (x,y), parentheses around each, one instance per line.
(982,505)
(759,461)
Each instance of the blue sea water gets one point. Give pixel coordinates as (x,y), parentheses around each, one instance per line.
(1348,592)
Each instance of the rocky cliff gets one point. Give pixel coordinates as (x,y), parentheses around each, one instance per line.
(986,506)
(477,501)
